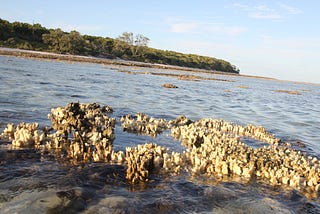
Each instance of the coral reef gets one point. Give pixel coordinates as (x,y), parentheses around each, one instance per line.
(214,148)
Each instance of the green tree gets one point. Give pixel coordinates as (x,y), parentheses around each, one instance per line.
(74,42)
(122,49)
(54,40)
(126,37)
(135,43)
(5,30)
(140,43)
(62,42)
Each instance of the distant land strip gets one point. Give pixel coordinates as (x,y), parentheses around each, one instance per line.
(88,59)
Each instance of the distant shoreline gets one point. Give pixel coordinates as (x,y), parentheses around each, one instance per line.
(78,58)
(87,59)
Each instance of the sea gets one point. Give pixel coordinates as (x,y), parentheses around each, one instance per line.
(33,181)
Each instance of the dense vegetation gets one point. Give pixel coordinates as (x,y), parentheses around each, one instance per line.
(127,46)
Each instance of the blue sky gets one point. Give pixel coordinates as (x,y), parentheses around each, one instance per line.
(279,39)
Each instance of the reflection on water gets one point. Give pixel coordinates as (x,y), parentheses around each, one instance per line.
(35,182)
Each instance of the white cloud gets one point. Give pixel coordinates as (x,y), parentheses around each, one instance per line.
(197,27)
(290,10)
(262,15)
(225,30)
(265,12)
(275,12)
(183,27)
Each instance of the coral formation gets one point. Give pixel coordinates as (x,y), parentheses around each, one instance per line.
(214,148)
(143,124)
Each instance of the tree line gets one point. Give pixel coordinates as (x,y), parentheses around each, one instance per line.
(127,46)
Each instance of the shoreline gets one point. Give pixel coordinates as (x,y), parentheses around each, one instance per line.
(89,59)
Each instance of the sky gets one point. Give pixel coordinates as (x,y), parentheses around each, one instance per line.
(276,38)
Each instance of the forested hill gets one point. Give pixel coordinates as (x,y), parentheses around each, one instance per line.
(127,46)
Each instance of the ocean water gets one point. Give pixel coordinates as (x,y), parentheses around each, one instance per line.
(32,182)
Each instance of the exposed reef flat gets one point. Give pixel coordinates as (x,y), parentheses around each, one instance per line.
(288,92)
(186,77)
(213,148)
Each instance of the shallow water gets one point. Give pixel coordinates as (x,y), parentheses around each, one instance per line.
(33,182)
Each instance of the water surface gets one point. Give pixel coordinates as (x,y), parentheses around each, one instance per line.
(32,182)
